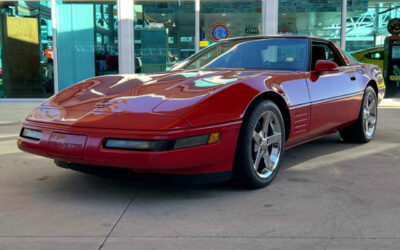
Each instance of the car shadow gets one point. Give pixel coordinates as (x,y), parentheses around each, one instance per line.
(113,183)
(111,177)
(308,151)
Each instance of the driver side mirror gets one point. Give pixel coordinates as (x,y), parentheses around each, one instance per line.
(325,65)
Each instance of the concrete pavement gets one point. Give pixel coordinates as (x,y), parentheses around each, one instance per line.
(327,195)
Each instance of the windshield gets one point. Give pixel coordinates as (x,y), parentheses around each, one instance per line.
(272,53)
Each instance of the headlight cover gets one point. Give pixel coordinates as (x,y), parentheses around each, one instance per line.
(138,145)
(31,134)
(162,145)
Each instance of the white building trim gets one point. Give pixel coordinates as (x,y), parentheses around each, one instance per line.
(269,17)
(54,33)
(343,25)
(197,25)
(126,42)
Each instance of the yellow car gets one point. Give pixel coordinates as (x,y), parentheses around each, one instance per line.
(372,55)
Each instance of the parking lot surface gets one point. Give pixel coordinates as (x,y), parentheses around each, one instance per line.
(327,195)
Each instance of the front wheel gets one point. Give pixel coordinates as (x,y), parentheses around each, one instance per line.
(363,129)
(260,145)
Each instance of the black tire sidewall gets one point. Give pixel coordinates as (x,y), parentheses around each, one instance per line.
(368,90)
(243,167)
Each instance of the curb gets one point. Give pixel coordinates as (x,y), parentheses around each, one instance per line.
(391,100)
(9,123)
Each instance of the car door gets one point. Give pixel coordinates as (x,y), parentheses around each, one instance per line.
(335,95)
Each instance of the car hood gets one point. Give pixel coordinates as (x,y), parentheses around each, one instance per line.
(137,101)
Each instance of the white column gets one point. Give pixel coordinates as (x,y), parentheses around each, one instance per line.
(343,25)
(197,24)
(54,38)
(126,42)
(269,22)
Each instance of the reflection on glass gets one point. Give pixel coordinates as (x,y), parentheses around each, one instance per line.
(221,19)
(26,49)
(87,40)
(106,35)
(302,17)
(164,33)
(366,24)
(368,28)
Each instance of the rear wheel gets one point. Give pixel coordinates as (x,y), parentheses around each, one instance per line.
(260,145)
(363,129)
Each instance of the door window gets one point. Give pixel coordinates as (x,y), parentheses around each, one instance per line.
(324,51)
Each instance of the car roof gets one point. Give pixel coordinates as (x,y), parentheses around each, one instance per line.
(378,48)
(273,36)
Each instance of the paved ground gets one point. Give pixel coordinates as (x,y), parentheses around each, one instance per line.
(328,195)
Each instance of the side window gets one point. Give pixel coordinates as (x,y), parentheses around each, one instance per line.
(334,56)
(324,51)
(375,55)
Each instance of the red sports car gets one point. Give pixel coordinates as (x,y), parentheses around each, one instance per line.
(228,111)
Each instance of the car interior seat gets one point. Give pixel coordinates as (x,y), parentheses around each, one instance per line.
(318,53)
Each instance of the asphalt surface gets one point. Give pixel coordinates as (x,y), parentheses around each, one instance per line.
(327,195)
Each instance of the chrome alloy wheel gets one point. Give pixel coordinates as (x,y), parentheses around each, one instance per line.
(267,142)
(369,114)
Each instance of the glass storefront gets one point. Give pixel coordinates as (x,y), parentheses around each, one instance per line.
(26,64)
(164,33)
(106,38)
(87,40)
(367,28)
(221,19)
(314,18)
(165,30)
(366,23)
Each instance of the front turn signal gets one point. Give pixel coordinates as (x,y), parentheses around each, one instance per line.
(214,137)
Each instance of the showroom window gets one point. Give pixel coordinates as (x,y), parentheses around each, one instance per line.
(87,40)
(26,64)
(314,18)
(229,18)
(367,27)
(164,33)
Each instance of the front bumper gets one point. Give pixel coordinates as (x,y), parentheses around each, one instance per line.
(211,158)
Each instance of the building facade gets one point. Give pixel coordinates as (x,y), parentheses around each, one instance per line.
(46,46)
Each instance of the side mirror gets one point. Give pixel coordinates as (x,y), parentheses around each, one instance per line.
(325,65)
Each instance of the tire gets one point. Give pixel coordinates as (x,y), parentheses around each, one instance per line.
(261,143)
(363,130)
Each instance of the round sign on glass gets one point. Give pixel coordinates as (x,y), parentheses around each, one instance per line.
(219,31)
(394,26)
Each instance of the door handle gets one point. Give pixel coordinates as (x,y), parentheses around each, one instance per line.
(353,78)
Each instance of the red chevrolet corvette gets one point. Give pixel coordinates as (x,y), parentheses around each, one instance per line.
(228,111)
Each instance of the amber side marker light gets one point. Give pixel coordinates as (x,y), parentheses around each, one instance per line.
(198,140)
(214,138)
